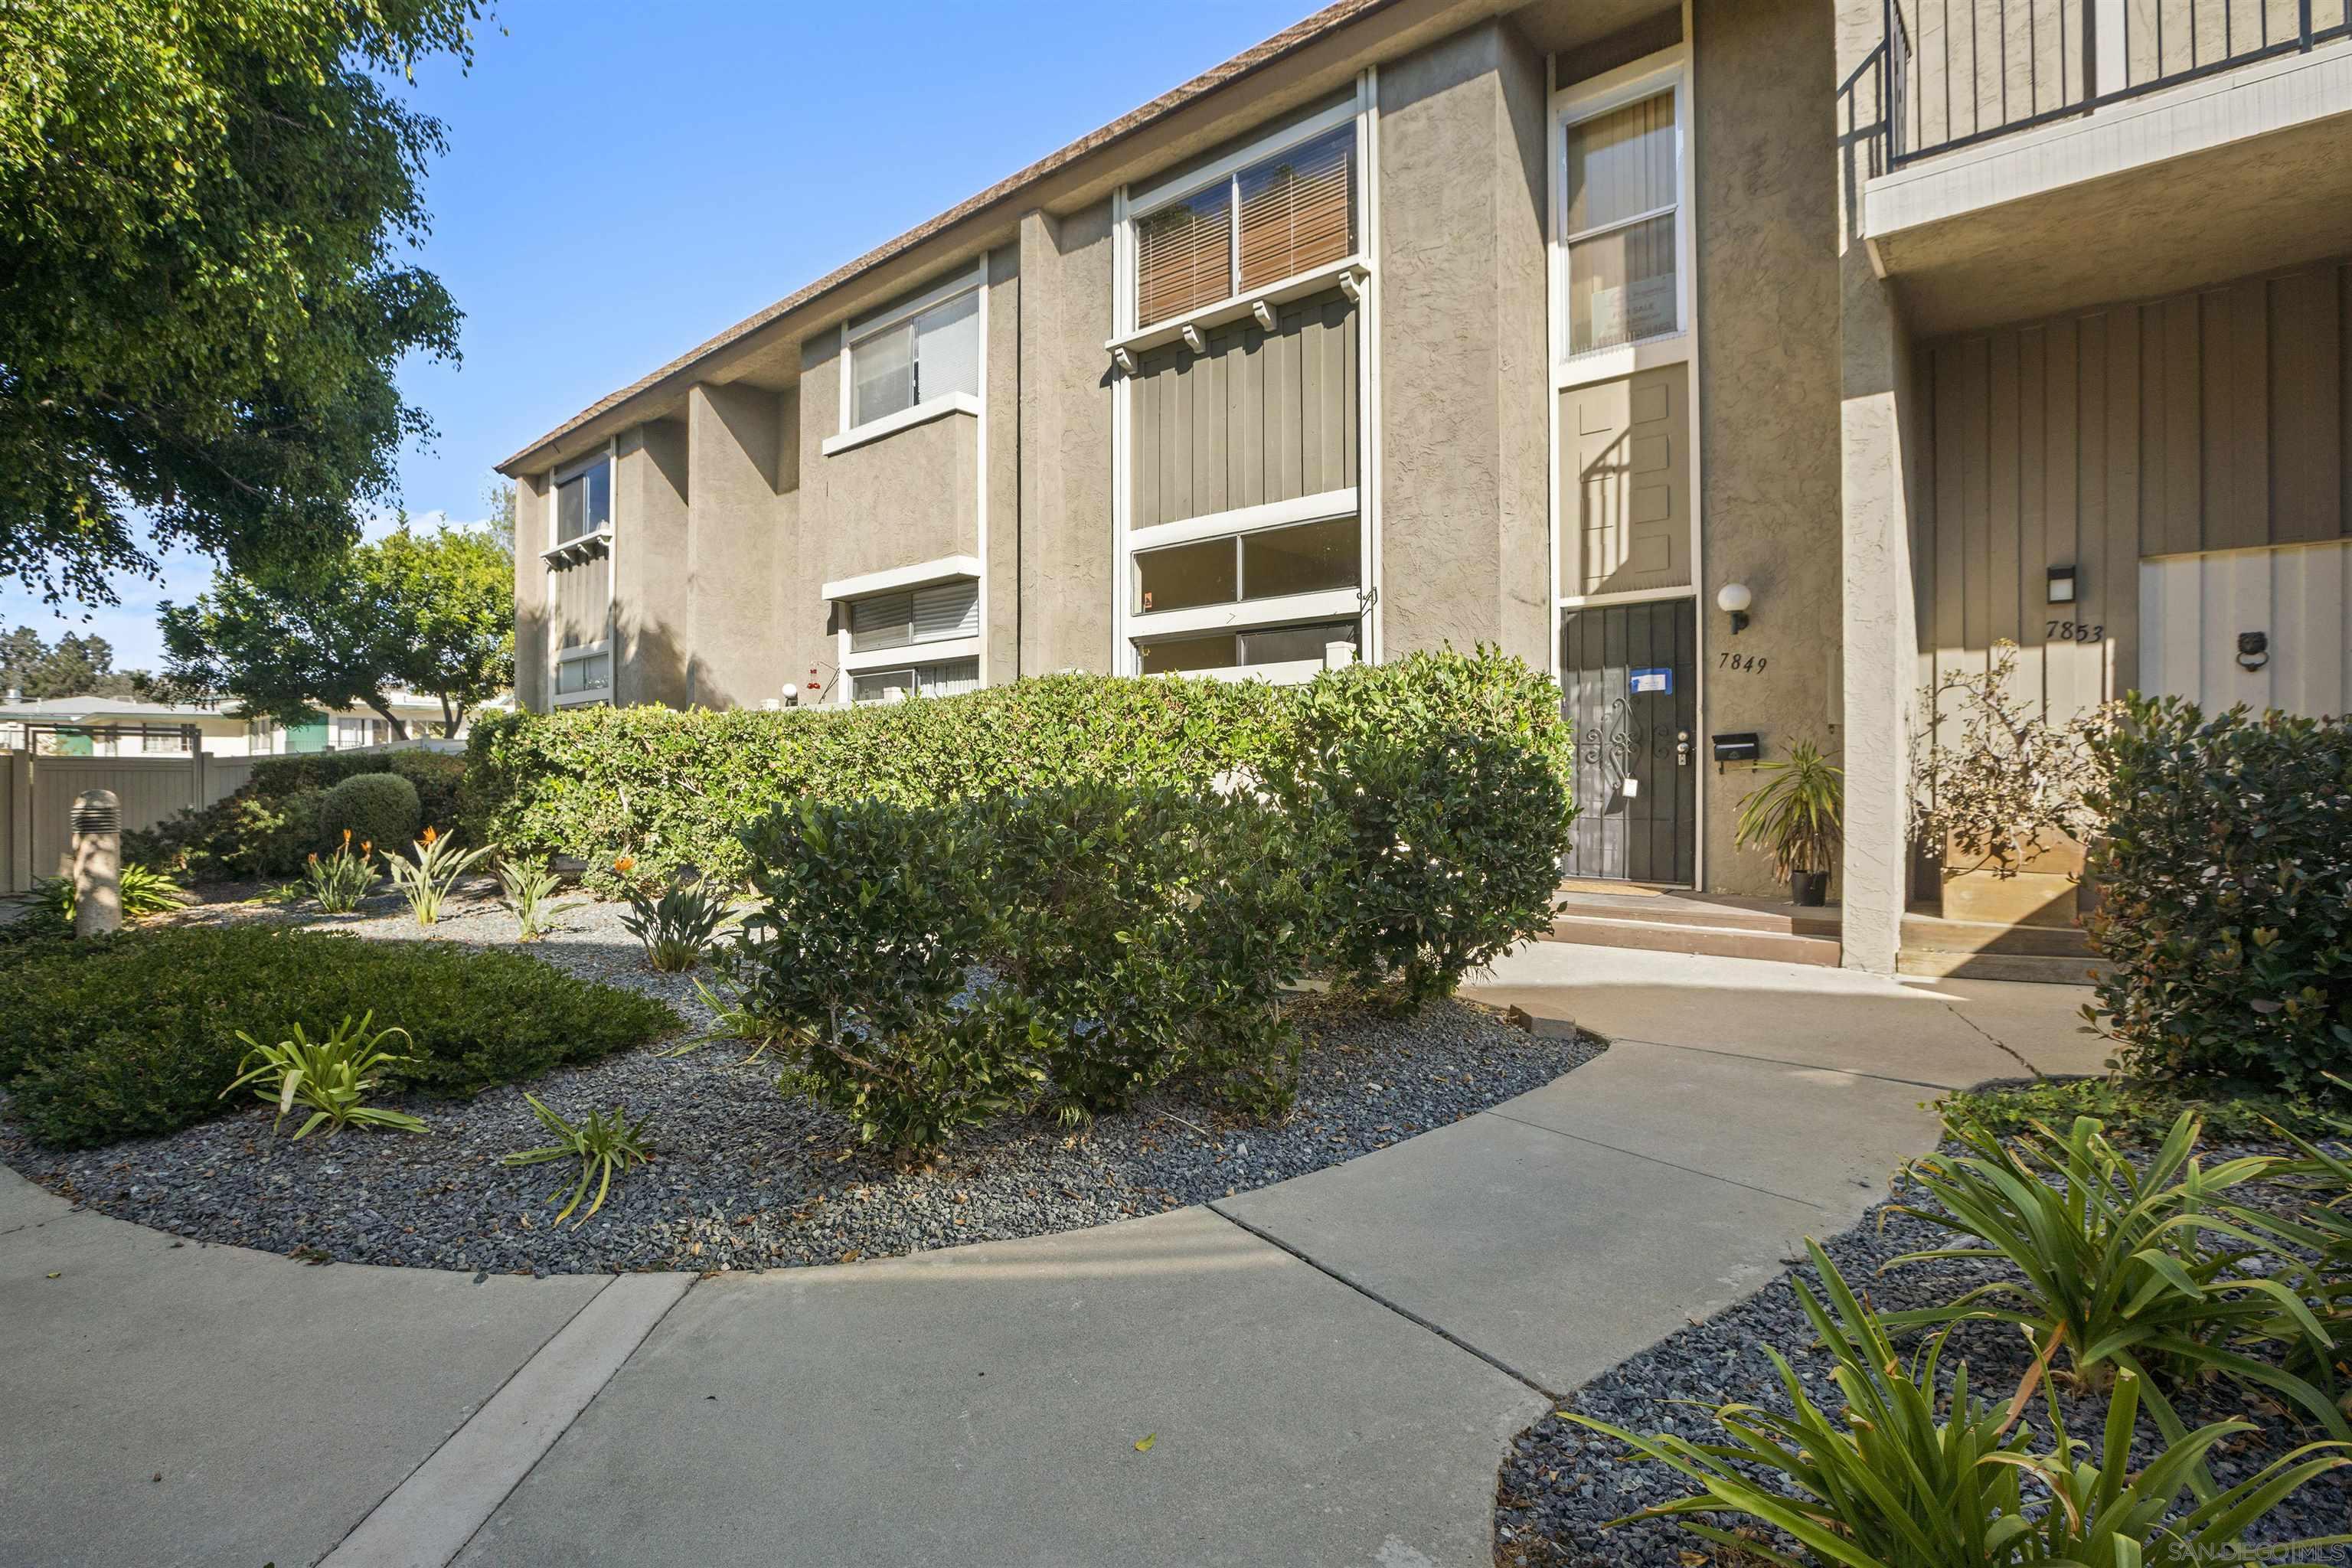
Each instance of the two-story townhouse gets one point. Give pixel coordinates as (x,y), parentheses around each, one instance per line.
(1596,328)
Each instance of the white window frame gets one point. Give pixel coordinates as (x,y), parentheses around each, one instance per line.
(847,592)
(1130,336)
(849,677)
(1665,72)
(1359,275)
(971,280)
(557,557)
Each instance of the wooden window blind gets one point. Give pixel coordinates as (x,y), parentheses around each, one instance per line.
(1184,256)
(1283,215)
(1298,209)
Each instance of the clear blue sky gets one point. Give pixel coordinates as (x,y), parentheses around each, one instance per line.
(625,179)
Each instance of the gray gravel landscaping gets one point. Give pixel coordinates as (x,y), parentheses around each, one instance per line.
(744,1177)
(1562,1483)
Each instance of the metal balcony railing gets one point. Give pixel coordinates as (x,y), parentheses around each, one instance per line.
(1963,72)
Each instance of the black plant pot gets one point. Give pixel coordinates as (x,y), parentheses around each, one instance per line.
(1809,889)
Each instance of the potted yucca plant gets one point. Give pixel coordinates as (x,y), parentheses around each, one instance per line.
(1797,817)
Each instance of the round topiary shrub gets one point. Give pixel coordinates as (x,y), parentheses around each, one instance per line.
(381,809)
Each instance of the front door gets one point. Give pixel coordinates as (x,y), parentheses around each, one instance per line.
(1627,692)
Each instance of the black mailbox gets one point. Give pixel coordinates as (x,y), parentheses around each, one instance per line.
(1740,747)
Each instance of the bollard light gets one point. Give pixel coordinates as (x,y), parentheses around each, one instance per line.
(96,863)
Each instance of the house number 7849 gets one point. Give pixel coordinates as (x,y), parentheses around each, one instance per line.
(1745,663)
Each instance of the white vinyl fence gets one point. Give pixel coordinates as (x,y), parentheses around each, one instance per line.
(36,796)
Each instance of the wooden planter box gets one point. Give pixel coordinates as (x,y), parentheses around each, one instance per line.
(2043,889)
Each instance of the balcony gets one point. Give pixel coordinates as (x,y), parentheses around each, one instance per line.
(2043,155)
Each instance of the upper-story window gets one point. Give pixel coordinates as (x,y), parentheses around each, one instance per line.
(1621,205)
(584,502)
(1288,213)
(918,351)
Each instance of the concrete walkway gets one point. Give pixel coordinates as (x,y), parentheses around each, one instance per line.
(1327,1369)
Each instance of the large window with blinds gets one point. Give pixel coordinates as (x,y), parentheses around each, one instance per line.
(1620,208)
(1288,213)
(939,613)
(584,503)
(920,350)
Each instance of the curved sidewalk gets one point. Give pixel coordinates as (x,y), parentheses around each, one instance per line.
(1327,1369)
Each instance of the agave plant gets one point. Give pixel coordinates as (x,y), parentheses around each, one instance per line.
(529,887)
(2136,1272)
(341,880)
(1890,1481)
(677,927)
(334,1077)
(605,1147)
(426,880)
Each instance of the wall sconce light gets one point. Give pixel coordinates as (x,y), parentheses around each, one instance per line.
(2062,584)
(1733,599)
(2254,650)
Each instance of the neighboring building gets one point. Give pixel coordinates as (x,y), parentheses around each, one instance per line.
(129,727)
(1431,322)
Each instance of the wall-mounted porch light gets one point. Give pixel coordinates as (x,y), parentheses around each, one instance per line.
(1733,599)
(2062,584)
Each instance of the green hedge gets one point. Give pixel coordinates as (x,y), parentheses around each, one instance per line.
(137,1035)
(2225,902)
(271,822)
(675,789)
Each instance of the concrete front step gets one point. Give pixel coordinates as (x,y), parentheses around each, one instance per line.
(1716,940)
(1678,909)
(2045,969)
(1932,933)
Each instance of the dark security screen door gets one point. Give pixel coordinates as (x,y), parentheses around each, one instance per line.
(1627,690)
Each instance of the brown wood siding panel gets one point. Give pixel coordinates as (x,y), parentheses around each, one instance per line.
(1259,416)
(2218,420)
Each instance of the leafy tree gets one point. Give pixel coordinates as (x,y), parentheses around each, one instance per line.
(430,614)
(202,204)
(74,667)
(501,522)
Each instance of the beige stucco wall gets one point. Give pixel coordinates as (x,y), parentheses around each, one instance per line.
(1876,436)
(1767,310)
(1000,437)
(1064,571)
(1464,526)
(735,455)
(530,591)
(652,598)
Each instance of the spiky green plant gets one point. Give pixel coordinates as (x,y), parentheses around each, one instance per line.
(145,891)
(529,887)
(605,1147)
(2145,1272)
(678,927)
(334,1077)
(2318,1237)
(426,880)
(341,880)
(1889,1481)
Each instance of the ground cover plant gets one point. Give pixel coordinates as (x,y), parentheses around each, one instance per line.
(2138,1114)
(2225,907)
(2131,1270)
(605,1146)
(334,1077)
(138,1035)
(1893,1475)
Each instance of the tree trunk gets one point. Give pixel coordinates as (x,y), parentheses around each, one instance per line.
(399,730)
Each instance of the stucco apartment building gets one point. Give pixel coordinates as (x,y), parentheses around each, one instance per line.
(1748,363)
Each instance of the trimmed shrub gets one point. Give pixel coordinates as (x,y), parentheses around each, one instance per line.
(374,808)
(270,823)
(1432,858)
(1151,933)
(2225,900)
(873,918)
(674,789)
(137,1035)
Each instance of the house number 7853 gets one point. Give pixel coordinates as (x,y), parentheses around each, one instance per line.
(2075,631)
